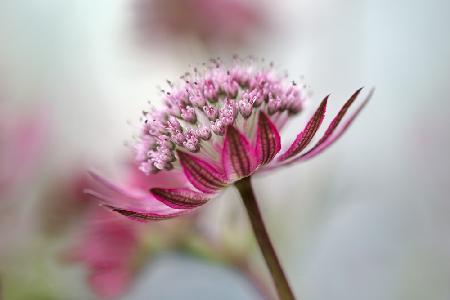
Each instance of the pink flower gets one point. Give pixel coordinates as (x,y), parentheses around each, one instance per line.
(219,126)
(21,140)
(219,21)
(107,246)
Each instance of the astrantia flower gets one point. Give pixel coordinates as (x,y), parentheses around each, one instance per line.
(218,128)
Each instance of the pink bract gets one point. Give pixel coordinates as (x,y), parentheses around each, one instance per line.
(216,127)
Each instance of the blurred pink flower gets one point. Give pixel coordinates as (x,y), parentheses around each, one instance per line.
(220,21)
(219,126)
(107,247)
(112,246)
(106,244)
(21,141)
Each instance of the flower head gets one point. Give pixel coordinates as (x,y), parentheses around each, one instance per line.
(218,126)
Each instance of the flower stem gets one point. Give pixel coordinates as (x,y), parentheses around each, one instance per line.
(245,188)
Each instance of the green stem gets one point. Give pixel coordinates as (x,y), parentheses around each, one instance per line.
(245,188)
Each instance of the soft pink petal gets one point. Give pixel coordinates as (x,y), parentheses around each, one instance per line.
(238,156)
(201,174)
(268,142)
(180,198)
(305,137)
(126,198)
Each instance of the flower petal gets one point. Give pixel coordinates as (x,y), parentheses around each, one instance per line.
(145,216)
(201,174)
(238,156)
(267,139)
(334,124)
(333,136)
(305,137)
(317,149)
(180,198)
(129,201)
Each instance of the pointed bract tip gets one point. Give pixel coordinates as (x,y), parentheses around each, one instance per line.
(324,101)
(356,93)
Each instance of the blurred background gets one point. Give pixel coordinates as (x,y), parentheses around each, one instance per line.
(368,219)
